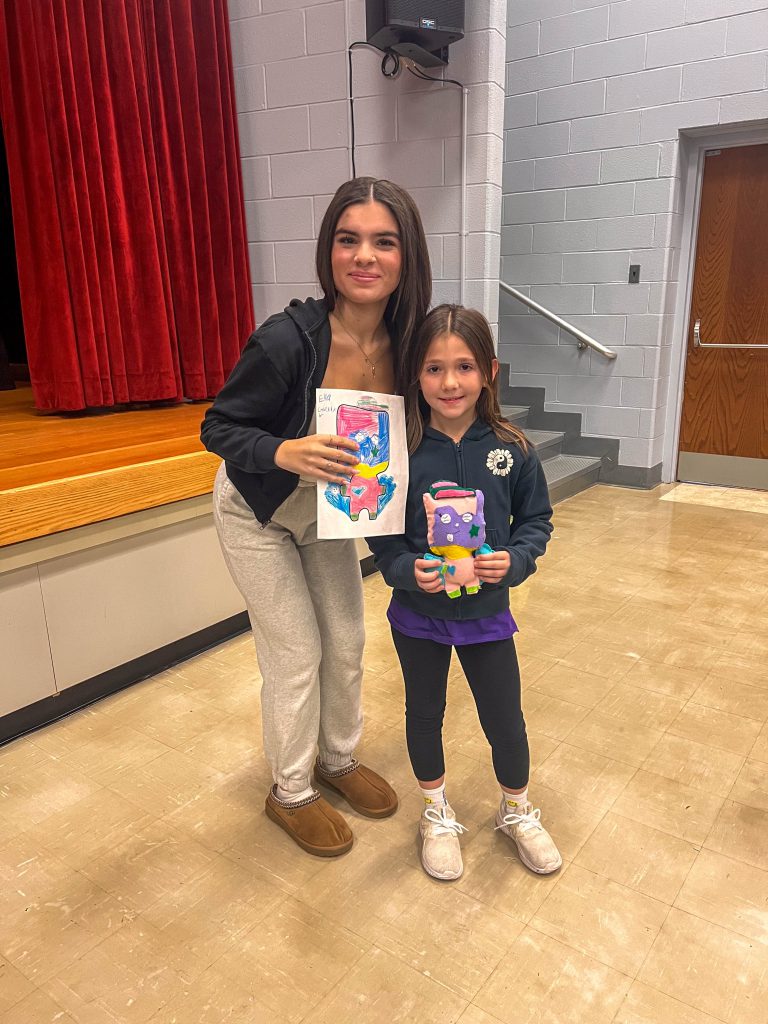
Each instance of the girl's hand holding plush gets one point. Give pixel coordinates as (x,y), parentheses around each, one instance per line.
(428,575)
(493,567)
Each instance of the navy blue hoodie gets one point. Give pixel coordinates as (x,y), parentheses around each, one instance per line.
(518,518)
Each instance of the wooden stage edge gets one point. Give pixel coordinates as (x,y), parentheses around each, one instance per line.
(58,472)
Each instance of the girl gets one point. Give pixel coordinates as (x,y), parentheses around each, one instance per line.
(460,446)
(304,596)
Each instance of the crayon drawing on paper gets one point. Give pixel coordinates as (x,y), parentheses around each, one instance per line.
(373,501)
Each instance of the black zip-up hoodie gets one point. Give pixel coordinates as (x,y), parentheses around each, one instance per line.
(517,510)
(269,397)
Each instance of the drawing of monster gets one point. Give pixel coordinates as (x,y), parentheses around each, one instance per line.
(455,534)
(369,489)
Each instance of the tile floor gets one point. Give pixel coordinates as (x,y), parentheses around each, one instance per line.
(141,882)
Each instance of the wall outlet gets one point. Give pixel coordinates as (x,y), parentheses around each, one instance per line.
(634,273)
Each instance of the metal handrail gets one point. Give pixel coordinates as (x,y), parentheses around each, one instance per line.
(585,341)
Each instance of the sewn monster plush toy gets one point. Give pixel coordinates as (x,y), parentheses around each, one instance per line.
(455,534)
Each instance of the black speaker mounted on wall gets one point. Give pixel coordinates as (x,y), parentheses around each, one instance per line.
(420,29)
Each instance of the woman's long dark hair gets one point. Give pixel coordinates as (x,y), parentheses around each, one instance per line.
(409,303)
(472,328)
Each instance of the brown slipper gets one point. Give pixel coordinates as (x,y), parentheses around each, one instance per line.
(364,790)
(312,823)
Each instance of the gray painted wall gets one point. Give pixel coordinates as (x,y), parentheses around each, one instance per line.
(597,94)
(291,82)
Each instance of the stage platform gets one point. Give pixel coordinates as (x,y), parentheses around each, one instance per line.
(63,471)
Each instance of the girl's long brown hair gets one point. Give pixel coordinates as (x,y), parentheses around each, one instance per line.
(472,328)
(408,304)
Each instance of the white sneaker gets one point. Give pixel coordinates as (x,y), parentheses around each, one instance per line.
(535,845)
(440,851)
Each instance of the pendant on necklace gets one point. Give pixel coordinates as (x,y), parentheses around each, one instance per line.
(373,371)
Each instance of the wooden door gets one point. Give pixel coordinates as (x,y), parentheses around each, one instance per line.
(724,428)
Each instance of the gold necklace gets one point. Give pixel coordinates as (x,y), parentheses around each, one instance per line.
(349,334)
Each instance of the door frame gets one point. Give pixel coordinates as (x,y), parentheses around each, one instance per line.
(693,145)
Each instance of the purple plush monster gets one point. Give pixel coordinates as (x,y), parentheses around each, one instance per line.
(455,532)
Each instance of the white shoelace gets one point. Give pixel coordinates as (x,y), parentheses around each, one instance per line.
(445,825)
(526,821)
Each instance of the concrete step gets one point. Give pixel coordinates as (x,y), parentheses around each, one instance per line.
(568,474)
(548,443)
(515,413)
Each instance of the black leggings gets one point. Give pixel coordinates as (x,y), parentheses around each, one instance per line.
(494,678)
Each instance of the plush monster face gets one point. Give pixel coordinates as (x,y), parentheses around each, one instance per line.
(454,517)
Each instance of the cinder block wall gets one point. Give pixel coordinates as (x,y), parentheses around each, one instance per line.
(290,62)
(597,94)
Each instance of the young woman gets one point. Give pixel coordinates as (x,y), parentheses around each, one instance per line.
(304,596)
(460,446)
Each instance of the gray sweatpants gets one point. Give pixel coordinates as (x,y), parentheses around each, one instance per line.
(305,602)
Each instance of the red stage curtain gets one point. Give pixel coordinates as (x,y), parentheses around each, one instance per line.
(120,127)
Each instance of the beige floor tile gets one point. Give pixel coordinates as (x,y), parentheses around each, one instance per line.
(167,782)
(672,680)
(716,728)
(448,936)
(551,717)
(228,681)
(229,749)
(669,806)
(645,1005)
(751,642)
(214,998)
(44,788)
(727,893)
(37,1007)
(745,668)
(373,886)
(535,643)
(694,764)
(709,968)
(678,653)
(49,914)
(613,738)
(88,829)
(174,718)
(381,989)
(728,694)
(601,918)
(532,667)
(751,787)
(759,751)
(638,856)
(148,865)
(740,833)
(474,1015)
(638,707)
(584,775)
(292,959)
(543,981)
(601,658)
(495,876)
(131,975)
(218,817)
(571,684)
(13,986)
(212,911)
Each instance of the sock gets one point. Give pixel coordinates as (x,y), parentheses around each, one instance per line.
(293,798)
(433,797)
(513,802)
